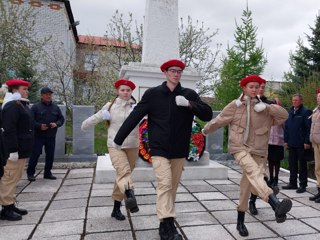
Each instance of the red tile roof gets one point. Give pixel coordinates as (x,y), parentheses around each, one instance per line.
(103,41)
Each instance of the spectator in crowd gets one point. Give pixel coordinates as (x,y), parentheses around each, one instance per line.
(171,109)
(249,121)
(3,154)
(47,117)
(315,140)
(124,159)
(297,140)
(18,124)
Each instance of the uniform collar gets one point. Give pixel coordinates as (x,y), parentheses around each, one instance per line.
(178,88)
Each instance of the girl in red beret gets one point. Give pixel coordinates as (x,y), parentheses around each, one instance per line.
(249,121)
(124,159)
(17,124)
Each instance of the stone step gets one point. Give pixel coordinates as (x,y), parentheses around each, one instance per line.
(105,172)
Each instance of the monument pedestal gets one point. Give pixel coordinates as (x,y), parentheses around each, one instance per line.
(105,172)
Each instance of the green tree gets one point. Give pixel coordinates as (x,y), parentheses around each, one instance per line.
(19,49)
(243,59)
(196,51)
(304,66)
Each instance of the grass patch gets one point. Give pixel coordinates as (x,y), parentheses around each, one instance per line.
(100,138)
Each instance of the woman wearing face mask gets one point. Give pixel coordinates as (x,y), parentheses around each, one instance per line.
(249,121)
(124,159)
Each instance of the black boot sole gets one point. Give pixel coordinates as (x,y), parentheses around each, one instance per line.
(131,203)
(282,209)
(134,210)
(120,218)
(18,218)
(243,232)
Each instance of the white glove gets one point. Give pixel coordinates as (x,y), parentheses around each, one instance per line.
(14,156)
(116,146)
(259,107)
(203,133)
(105,115)
(84,126)
(182,101)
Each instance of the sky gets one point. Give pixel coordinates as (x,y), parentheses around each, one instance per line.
(279,23)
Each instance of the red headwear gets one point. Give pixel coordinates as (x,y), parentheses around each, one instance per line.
(17,82)
(318,90)
(172,63)
(124,82)
(251,78)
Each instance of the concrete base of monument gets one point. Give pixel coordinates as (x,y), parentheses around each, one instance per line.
(105,172)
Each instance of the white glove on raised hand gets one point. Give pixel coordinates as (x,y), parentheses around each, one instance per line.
(259,107)
(14,156)
(182,101)
(116,146)
(106,115)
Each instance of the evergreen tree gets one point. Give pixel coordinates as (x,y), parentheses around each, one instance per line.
(243,59)
(304,66)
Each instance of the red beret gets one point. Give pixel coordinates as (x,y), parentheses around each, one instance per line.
(124,82)
(251,78)
(318,90)
(263,81)
(17,82)
(172,63)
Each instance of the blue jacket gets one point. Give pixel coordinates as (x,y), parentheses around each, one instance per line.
(297,127)
(45,113)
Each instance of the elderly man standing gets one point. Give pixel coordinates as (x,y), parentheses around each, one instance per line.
(296,138)
(170,109)
(48,118)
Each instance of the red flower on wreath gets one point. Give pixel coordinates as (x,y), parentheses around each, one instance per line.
(196,146)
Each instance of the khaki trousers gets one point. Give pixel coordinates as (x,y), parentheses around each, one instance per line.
(316,148)
(253,171)
(123,161)
(12,174)
(168,173)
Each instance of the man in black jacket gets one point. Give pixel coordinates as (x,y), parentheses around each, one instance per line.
(171,110)
(48,118)
(296,138)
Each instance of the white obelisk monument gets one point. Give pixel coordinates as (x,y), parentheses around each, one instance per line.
(160,43)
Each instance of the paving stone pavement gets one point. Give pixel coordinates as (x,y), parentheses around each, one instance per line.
(73,207)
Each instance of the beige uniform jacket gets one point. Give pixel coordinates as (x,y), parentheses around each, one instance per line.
(259,128)
(119,111)
(315,127)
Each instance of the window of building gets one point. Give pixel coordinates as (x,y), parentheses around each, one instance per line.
(91,61)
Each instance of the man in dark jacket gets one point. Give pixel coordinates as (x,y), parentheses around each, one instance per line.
(17,122)
(171,110)
(48,118)
(296,138)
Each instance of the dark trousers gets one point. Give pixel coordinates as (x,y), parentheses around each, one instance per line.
(49,144)
(296,157)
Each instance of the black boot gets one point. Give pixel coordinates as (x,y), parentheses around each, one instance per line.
(240,225)
(275,181)
(290,186)
(168,231)
(9,214)
(252,204)
(315,197)
(20,211)
(271,181)
(131,202)
(280,208)
(116,212)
